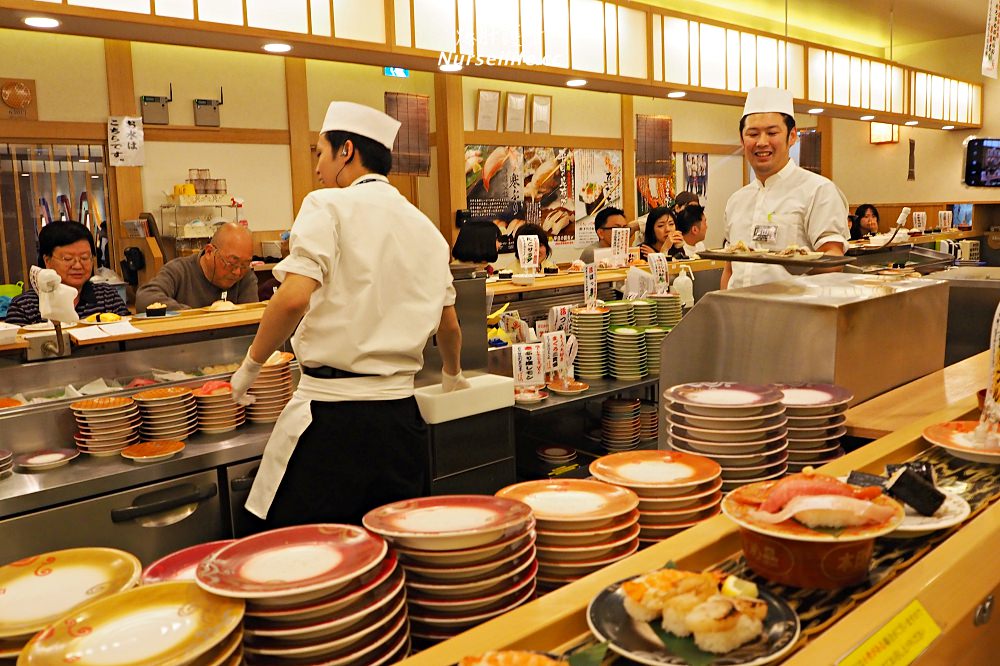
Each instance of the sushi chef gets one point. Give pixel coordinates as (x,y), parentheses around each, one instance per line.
(365,284)
(786,204)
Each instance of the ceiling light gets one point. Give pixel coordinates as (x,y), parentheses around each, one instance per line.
(911,123)
(277,47)
(676,94)
(41,22)
(867,117)
(84,160)
(94,175)
(948,127)
(815,111)
(576,83)
(25,175)
(451,67)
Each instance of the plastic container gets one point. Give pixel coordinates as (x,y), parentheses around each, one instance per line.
(487,393)
(8,333)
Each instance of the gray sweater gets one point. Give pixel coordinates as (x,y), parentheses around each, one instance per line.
(181,284)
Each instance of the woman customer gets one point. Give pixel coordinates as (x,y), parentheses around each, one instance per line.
(477,242)
(866,219)
(68,249)
(662,235)
(544,249)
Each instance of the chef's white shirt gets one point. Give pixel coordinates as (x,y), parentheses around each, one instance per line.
(804,208)
(384,278)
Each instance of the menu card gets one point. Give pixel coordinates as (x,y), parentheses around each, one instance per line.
(528,364)
(559,317)
(660,267)
(554,351)
(619,246)
(590,285)
(527,250)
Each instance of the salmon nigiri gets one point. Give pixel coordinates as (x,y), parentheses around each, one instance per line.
(808,483)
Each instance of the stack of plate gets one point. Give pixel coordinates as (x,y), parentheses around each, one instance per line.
(676,490)
(468,558)
(645,312)
(620,423)
(622,313)
(668,309)
(163,623)
(815,423)
(582,526)
(555,455)
(6,463)
(167,413)
(272,390)
(626,353)
(106,425)
(181,564)
(649,421)
(216,410)
(329,594)
(740,426)
(654,337)
(590,326)
(40,590)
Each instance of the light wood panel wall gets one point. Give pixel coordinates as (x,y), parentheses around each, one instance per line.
(450,139)
(300,139)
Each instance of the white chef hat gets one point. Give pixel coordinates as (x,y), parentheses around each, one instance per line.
(769,100)
(362,120)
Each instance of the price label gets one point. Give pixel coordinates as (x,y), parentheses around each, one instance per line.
(619,245)
(899,642)
(559,317)
(590,285)
(554,350)
(527,359)
(660,267)
(527,250)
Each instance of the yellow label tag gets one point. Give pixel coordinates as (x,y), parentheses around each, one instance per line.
(899,641)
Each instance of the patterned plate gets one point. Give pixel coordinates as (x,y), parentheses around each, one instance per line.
(291,561)
(100,404)
(572,503)
(179,622)
(152,451)
(655,469)
(723,395)
(181,565)
(958,439)
(39,590)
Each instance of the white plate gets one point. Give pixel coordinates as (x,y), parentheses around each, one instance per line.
(46,326)
(952,512)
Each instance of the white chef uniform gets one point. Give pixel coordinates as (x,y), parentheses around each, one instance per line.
(793,207)
(383,271)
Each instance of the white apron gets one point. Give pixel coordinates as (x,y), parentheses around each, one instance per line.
(296,417)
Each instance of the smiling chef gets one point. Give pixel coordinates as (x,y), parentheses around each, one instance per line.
(785,205)
(365,284)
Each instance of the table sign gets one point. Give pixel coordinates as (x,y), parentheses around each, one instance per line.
(590,285)
(660,267)
(528,370)
(619,246)
(554,351)
(527,250)
(559,317)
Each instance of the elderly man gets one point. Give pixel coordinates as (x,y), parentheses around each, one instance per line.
(606,220)
(221,271)
(785,205)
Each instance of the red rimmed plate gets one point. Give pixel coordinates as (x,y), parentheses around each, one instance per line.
(813,396)
(467,603)
(571,503)
(376,582)
(474,616)
(448,522)
(304,562)
(678,414)
(958,439)
(728,457)
(715,396)
(750,446)
(469,556)
(739,504)
(590,536)
(182,564)
(568,386)
(39,461)
(589,551)
(662,470)
(773,427)
(467,572)
(583,567)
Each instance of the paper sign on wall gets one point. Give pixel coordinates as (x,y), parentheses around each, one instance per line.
(527,359)
(125,141)
(619,245)
(992,42)
(590,285)
(659,266)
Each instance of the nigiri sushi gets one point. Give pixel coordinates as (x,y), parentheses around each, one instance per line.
(510,658)
(828,511)
(807,483)
(646,596)
(721,624)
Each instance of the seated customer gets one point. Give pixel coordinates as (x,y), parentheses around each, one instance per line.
(477,242)
(68,249)
(867,219)
(199,280)
(606,220)
(662,235)
(693,225)
(544,249)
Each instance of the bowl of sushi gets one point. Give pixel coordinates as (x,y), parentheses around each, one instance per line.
(811,530)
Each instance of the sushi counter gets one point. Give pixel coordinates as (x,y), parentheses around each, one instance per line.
(928,594)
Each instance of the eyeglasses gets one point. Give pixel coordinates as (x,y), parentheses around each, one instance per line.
(233,263)
(69,260)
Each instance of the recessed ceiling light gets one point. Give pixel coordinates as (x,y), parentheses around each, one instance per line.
(451,67)
(25,175)
(84,159)
(911,123)
(676,94)
(576,83)
(947,127)
(94,175)
(815,111)
(867,117)
(41,22)
(277,47)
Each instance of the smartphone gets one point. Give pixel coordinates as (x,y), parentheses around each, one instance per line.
(982,163)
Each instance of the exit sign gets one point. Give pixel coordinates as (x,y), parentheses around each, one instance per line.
(397,72)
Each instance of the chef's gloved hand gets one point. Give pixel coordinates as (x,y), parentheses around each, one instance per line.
(455,382)
(243,379)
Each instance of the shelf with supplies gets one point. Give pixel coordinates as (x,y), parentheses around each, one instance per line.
(177,221)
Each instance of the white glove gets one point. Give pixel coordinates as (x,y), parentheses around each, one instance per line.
(455,382)
(243,379)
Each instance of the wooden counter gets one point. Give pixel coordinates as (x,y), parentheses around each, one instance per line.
(892,411)
(543,282)
(940,579)
(188,321)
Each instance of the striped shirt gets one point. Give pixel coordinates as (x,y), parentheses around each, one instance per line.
(95,298)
